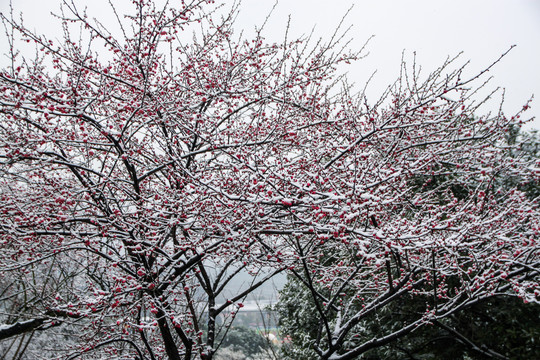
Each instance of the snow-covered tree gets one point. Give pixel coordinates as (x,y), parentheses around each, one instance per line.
(142,170)
(499,326)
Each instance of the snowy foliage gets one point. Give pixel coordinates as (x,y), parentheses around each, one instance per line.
(139,173)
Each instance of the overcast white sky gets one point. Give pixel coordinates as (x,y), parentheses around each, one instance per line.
(482,29)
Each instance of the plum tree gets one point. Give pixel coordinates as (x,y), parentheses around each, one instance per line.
(498,326)
(142,170)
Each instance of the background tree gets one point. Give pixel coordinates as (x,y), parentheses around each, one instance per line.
(247,341)
(151,166)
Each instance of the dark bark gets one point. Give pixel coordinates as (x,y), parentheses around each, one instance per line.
(170,347)
(7,331)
